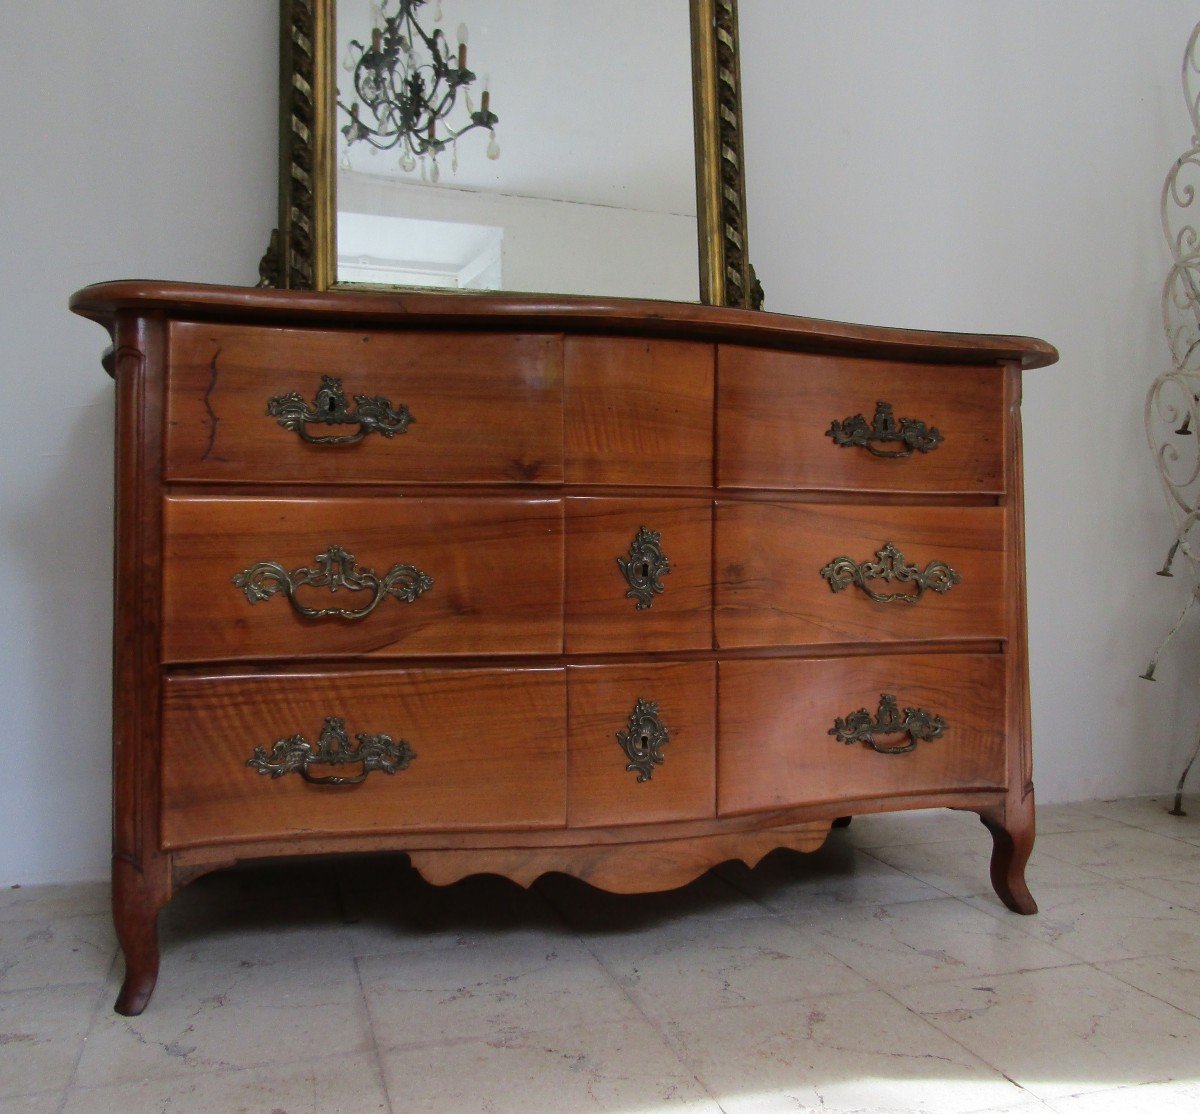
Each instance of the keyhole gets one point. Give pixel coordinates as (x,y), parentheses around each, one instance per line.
(645,567)
(645,740)
(329,407)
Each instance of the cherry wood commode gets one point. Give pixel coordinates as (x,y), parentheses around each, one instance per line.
(518,584)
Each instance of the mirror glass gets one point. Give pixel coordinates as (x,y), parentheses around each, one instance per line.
(532,145)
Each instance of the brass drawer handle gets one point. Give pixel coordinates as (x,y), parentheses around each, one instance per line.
(643,739)
(890,565)
(371,415)
(296,754)
(335,569)
(916,723)
(885,430)
(643,567)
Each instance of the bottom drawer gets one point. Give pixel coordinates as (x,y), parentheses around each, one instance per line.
(776,749)
(469,750)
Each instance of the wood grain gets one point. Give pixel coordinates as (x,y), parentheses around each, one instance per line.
(486,408)
(600,788)
(600,616)
(496,566)
(774,409)
(769,589)
(488,743)
(775,750)
(638,411)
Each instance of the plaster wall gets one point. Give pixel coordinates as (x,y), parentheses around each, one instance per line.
(951,164)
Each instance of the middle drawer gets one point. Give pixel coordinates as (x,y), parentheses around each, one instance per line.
(795,574)
(254,579)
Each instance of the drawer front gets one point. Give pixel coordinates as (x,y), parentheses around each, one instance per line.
(776,749)
(495,567)
(777,409)
(778,565)
(639,575)
(483,408)
(638,412)
(467,749)
(641,743)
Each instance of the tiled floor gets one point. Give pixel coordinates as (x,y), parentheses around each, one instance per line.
(880,974)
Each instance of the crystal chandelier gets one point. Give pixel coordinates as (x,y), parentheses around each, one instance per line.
(409,81)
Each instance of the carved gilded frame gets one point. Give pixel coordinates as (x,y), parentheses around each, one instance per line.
(302,254)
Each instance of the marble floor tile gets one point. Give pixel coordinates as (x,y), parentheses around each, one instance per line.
(1102,920)
(212,1016)
(1153,814)
(41,1035)
(920,941)
(339,1085)
(838,874)
(40,903)
(1146,1098)
(694,967)
(1182,892)
(963,867)
(856,1052)
(56,951)
(624,1068)
(44,1102)
(1064,1030)
(1174,978)
(504,988)
(1124,853)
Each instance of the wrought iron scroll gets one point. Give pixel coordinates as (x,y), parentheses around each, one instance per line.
(862,727)
(643,739)
(295,754)
(329,408)
(890,565)
(335,570)
(644,566)
(910,433)
(1172,411)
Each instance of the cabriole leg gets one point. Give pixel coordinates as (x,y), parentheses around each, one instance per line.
(1012,831)
(136,903)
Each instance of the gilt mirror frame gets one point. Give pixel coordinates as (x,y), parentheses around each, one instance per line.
(302,254)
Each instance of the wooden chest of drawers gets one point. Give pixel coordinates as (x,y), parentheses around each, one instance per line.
(514,585)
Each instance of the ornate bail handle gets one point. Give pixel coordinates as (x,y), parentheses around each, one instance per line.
(643,739)
(885,430)
(890,565)
(371,415)
(643,567)
(860,727)
(336,569)
(296,754)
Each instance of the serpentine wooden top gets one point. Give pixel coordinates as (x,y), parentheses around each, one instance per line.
(553,313)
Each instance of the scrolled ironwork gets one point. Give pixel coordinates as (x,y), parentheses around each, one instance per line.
(643,739)
(862,727)
(329,408)
(890,565)
(643,567)
(1172,412)
(913,434)
(335,569)
(295,754)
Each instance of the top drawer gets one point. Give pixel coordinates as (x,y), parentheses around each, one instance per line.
(484,408)
(775,411)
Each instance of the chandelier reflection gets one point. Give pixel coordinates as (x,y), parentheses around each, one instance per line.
(410,80)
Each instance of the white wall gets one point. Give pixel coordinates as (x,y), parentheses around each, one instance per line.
(952,163)
(983,166)
(138,139)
